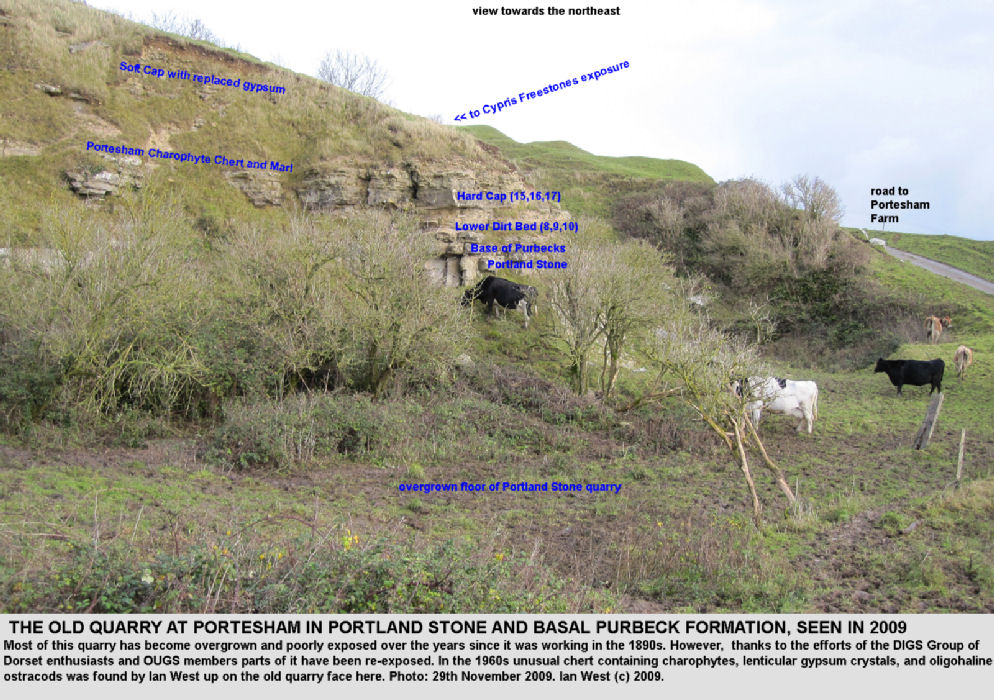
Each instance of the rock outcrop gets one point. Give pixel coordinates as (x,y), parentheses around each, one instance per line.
(123,171)
(430,190)
(262,187)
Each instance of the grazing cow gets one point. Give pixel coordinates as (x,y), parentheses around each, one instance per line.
(506,293)
(962,359)
(934,327)
(786,396)
(913,372)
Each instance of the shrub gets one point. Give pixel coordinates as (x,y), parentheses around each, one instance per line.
(281,434)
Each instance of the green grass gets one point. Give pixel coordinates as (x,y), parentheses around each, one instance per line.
(561,155)
(972,311)
(588,183)
(975,257)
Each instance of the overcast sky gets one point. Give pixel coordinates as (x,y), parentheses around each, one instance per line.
(862,93)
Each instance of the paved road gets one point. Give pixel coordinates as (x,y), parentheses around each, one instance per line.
(953,273)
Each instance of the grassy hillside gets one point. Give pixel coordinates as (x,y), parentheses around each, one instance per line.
(975,257)
(77,51)
(588,182)
(970,309)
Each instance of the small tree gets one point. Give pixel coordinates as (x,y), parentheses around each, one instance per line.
(575,296)
(353,72)
(635,293)
(814,197)
(704,362)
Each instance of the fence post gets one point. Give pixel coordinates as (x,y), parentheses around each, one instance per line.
(925,432)
(959,460)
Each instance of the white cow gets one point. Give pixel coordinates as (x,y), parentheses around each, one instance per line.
(792,398)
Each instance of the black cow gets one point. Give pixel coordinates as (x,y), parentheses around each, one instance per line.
(506,293)
(913,372)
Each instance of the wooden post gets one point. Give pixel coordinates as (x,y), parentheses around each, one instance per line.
(959,460)
(928,426)
(756,507)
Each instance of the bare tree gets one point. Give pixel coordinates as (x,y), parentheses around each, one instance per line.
(576,302)
(703,361)
(184,26)
(634,295)
(353,72)
(815,197)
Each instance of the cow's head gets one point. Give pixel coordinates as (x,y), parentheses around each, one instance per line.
(881,366)
(739,387)
(946,321)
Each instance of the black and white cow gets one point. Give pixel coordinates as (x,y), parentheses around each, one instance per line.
(913,372)
(505,293)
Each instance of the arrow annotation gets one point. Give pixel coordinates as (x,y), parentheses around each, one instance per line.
(550,88)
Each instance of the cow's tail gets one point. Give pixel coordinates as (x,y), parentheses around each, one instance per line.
(814,405)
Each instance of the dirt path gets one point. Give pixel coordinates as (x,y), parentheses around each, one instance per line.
(953,273)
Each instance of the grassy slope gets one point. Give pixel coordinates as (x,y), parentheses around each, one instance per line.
(588,182)
(970,309)
(677,537)
(975,257)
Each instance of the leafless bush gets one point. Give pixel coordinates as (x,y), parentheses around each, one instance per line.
(354,72)
(192,28)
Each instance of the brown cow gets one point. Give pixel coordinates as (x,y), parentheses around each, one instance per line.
(934,327)
(962,359)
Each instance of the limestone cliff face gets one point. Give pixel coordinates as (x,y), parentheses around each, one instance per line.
(430,191)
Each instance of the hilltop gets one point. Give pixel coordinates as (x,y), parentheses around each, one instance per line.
(589,182)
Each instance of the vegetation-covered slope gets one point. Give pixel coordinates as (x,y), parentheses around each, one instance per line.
(61,86)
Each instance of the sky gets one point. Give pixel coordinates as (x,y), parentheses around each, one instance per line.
(862,93)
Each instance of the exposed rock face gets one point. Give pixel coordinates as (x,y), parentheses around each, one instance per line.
(123,171)
(430,190)
(332,189)
(95,185)
(390,187)
(260,186)
(18,148)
